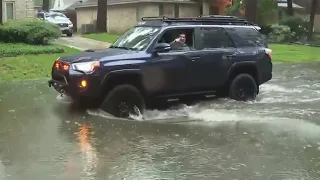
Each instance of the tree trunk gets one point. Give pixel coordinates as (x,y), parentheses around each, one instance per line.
(311,21)
(102,16)
(1,13)
(46,5)
(289,8)
(251,10)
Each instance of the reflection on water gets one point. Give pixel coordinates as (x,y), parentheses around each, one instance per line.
(87,155)
(274,138)
(2,171)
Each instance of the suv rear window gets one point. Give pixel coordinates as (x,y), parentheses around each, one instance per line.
(246,37)
(215,37)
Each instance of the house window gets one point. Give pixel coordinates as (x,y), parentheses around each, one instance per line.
(161,10)
(10,10)
(176,10)
(138,14)
(213,10)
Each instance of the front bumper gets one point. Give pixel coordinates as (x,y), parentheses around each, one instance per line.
(71,84)
(66,30)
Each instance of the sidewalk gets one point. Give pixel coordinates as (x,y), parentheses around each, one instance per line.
(82,43)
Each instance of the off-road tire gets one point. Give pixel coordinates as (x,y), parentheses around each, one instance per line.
(243,88)
(121,96)
(69,34)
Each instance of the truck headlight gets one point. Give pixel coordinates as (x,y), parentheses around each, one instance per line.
(70,24)
(86,67)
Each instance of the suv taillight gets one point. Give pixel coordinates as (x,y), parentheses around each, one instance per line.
(268,52)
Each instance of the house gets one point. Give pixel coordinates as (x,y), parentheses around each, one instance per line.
(123,14)
(57,5)
(283,6)
(307,5)
(17,9)
(64,6)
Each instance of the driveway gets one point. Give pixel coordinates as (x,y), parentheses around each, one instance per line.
(82,43)
(274,138)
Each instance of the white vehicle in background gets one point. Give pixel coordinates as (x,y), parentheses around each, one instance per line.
(61,20)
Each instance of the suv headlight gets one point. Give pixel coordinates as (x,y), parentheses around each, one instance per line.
(86,67)
(70,24)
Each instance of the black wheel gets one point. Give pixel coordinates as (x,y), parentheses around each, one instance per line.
(243,87)
(69,34)
(124,100)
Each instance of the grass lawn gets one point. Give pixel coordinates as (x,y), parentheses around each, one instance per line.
(29,66)
(105,37)
(16,49)
(294,53)
(281,52)
(39,66)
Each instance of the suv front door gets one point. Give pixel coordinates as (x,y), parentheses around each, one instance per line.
(172,68)
(216,52)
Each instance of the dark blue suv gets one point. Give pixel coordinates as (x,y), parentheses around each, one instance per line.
(221,55)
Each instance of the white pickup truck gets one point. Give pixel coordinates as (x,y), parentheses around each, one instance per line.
(59,19)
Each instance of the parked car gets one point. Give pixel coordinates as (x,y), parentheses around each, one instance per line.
(226,57)
(61,20)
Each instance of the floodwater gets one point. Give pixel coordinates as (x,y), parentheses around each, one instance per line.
(277,137)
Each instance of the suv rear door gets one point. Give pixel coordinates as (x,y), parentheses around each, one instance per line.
(217,50)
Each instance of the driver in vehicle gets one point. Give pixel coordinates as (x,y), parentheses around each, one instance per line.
(180,43)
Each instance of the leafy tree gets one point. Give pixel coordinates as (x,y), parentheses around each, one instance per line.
(46,5)
(251,10)
(237,9)
(266,9)
(1,13)
(102,16)
(289,8)
(311,21)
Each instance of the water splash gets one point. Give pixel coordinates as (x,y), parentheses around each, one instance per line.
(64,99)
(225,109)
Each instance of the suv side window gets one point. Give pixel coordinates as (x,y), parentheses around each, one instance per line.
(170,35)
(246,37)
(214,37)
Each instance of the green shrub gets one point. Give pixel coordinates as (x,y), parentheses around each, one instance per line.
(297,24)
(11,50)
(266,29)
(29,31)
(280,34)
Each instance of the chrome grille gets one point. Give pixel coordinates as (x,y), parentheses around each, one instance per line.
(63,25)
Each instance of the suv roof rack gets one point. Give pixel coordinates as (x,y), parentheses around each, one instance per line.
(208,19)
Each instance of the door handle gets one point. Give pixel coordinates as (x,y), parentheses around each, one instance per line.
(228,56)
(194,58)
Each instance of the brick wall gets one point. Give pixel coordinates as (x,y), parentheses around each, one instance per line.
(22,9)
(307,5)
(123,17)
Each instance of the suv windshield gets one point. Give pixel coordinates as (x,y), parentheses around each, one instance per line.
(55,16)
(136,38)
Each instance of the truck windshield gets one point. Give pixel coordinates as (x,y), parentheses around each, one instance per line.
(137,38)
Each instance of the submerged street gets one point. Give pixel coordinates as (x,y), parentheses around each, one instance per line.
(274,138)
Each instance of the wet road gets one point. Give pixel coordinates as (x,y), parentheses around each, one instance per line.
(275,138)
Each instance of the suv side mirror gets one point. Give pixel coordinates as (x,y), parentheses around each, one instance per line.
(162,47)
